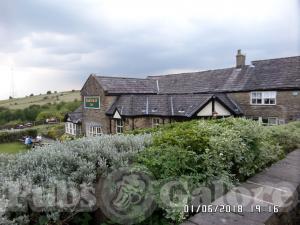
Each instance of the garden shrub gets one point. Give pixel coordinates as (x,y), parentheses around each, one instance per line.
(204,151)
(55,132)
(75,162)
(192,153)
(238,146)
(287,136)
(67,137)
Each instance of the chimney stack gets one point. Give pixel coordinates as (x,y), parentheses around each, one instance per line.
(240,59)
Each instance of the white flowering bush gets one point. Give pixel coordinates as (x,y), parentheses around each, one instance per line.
(74,162)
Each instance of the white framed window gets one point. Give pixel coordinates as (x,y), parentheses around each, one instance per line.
(263,98)
(256,98)
(67,128)
(119,126)
(72,128)
(269,121)
(95,131)
(155,122)
(272,121)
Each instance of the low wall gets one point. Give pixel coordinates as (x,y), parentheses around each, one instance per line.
(271,197)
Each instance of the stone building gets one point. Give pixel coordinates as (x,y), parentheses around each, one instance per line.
(266,90)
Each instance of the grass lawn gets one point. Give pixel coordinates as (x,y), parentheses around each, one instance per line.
(12,148)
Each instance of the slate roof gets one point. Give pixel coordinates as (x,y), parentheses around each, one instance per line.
(182,105)
(283,73)
(184,94)
(119,85)
(75,116)
(271,74)
(210,81)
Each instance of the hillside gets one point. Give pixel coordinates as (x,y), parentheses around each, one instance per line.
(21,103)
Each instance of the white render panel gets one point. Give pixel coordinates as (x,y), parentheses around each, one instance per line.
(206,111)
(117,115)
(221,109)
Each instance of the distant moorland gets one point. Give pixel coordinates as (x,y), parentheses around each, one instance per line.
(42,99)
(38,108)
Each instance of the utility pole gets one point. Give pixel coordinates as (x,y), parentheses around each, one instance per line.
(12,90)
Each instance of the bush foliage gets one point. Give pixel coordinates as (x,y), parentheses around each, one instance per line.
(204,151)
(75,162)
(11,136)
(196,152)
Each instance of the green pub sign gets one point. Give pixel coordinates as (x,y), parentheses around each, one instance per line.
(92,102)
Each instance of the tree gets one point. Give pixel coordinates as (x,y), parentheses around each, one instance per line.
(49,92)
(47,115)
(10,97)
(31,112)
(31,95)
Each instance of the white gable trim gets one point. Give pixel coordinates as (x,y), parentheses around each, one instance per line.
(117,115)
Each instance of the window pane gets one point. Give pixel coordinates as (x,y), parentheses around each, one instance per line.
(119,126)
(265,120)
(273,94)
(272,121)
(258,101)
(272,101)
(266,95)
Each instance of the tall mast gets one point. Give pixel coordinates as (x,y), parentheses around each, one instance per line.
(12,90)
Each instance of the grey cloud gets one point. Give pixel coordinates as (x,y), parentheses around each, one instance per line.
(88,46)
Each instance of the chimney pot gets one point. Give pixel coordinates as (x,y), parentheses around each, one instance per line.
(240,59)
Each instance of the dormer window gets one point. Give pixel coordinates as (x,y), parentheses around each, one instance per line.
(154,110)
(263,98)
(181,110)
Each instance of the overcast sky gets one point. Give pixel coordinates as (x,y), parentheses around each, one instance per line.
(56,44)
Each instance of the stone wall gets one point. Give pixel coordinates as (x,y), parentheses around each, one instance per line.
(278,185)
(287,106)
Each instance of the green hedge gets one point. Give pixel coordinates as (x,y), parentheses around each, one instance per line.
(287,136)
(203,151)
(11,136)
